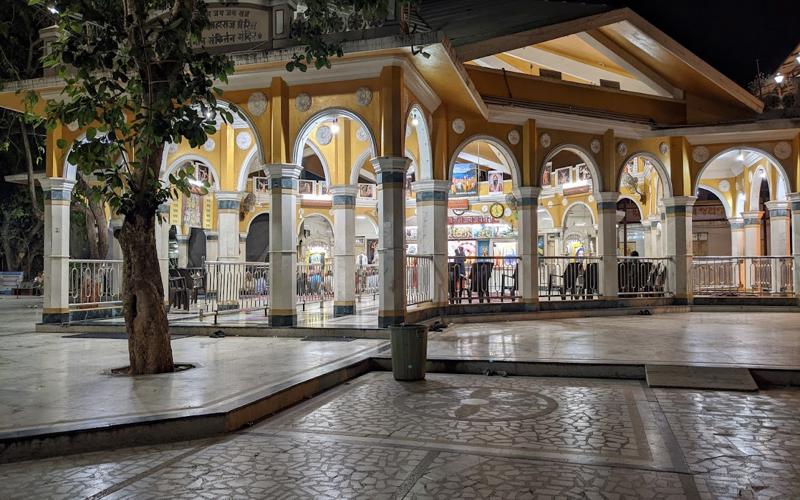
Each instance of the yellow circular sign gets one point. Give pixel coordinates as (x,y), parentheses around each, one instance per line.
(496,210)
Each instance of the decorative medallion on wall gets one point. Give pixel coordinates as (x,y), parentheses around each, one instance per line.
(244,140)
(361,134)
(595,146)
(513,137)
(303,102)
(364,96)
(507,212)
(497,210)
(257,103)
(664,148)
(209,145)
(72,126)
(700,154)
(564,202)
(173,148)
(544,140)
(324,135)
(782,150)
(459,126)
(485,208)
(550,204)
(590,198)
(622,148)
(724,186)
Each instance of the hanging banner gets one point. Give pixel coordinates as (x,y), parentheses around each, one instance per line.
(465,180)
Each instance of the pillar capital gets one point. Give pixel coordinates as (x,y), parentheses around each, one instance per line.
(752,218)
(736,223)
(228,200)
(794,200)
(428,185)
(778,208)
(679,201)
(528,195)
(391,169)
(283,171)
(55,188)
(344,196)
(211,235)
(607,200)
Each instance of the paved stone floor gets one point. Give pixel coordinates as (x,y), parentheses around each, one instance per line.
(463,436)
(698,338)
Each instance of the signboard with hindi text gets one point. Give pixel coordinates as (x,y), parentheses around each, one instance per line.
(236,27)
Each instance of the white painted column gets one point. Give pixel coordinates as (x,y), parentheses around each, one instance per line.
(243,246)
(607,243)
(344,259)
(752,233)
(115,248)
(737,236)
(794,200)
(57,196)
(780,243)
(678,239)
(648,240)
(283,243)
(657,249)
(528,271)
(212,245)
(162,246)
(431,205)
(183,250)
(391,174)
(228,225)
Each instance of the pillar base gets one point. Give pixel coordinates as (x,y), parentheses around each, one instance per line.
(343,310)
(282,320)
(55,318)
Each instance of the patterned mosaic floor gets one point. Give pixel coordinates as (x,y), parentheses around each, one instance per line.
(461,436)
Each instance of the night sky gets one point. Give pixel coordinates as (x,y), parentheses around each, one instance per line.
(728,34)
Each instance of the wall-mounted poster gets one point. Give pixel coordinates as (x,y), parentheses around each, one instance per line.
(540,245)
(583,173)
(260,185)
(372,251)
(193,210)
(483,248)
(306,187)
(465,180)
(495,179)
(411,233)
(563,176)
(366,191)
(323,188)
(546,177)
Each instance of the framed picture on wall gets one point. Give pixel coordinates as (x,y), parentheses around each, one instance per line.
(260,185)
(323,188)
(366,191)
(306,187)
(547,177)
(563,176)
(465,180)
(495,180)
(583,172)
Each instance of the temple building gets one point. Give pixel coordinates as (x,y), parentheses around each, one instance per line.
(452,164)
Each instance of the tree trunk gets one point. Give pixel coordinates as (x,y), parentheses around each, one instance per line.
(143,303)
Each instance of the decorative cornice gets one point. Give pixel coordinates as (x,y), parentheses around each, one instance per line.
(430,185)
(283,171)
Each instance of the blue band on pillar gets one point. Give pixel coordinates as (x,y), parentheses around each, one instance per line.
(431,196)
(228,204)
(58,195)
(283,183)
(344,200)
(391,177)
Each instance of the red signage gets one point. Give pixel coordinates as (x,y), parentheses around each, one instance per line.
(469,219)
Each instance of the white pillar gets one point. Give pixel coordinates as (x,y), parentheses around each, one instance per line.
(737,236)
(183,250)
(647,229)
(678,238)
(228,224)
(162,246)
(607,228)
(344,259)
(391,174)
(657,249)
(212,245)
(794,200)
(116,248)
(528,271)
(57,196)
(282,243)
(752,233)
(243,246)
(431,197)
(779,228)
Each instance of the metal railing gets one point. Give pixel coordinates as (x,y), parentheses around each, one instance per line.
(487,279)
(737,276)
(419,279)
(643,276)
(236,286)
(314,283)
(569,278)
(367,280)
(95,283)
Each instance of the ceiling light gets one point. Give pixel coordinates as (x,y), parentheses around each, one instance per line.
(414,121)
(210,114)
(740,157)
(52,10)
(762,174)
(335,127)
(779,78)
